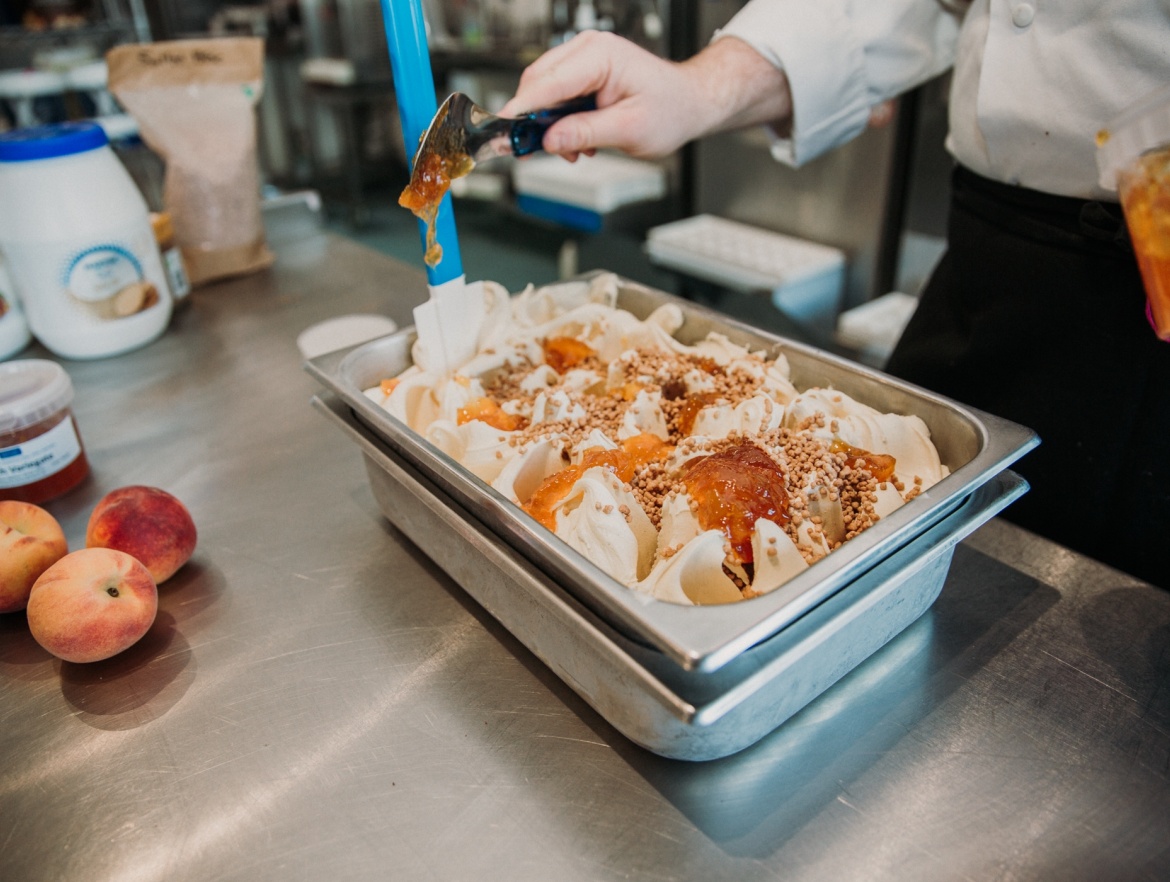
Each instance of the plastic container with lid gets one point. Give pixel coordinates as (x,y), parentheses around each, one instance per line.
(14,333)
(41,455)
(172,256)
(77,238)
(1133,157)
(35,96)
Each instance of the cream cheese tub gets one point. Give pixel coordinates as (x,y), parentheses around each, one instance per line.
(78,243)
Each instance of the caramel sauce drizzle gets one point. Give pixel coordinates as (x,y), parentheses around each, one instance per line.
(734,488)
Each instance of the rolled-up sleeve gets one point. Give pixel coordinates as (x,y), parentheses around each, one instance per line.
(843,57)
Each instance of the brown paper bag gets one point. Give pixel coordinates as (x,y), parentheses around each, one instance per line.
(194,104)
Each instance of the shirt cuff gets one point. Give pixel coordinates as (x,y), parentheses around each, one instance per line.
(830,101)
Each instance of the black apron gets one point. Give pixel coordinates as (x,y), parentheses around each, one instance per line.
(1036,313)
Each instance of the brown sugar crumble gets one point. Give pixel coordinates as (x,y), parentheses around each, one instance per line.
(649,424)
(807,464)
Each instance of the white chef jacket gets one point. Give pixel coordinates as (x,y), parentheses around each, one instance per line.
(1034,80)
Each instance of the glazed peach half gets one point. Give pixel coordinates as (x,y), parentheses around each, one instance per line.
(31,541)
(147,523)
(92,604)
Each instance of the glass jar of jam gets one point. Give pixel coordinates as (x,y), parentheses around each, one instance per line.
(41,455)
(1144,186)
(1133,157)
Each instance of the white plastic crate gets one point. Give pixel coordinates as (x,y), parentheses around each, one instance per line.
(805,277)
(601,183)
(873,328)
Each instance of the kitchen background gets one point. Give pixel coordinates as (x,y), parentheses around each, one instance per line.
(329,129)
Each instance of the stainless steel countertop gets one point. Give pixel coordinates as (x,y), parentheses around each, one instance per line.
(318,701)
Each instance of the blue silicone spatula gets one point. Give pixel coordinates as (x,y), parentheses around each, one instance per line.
(448,324)
(457,136)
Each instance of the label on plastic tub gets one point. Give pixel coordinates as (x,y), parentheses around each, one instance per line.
(38,458)
(101,272)
(112,291)
(101,282)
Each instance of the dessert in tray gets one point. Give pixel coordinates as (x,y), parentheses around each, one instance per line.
(696,474)
(560,398)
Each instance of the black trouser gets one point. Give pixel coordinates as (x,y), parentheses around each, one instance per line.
(1036,313)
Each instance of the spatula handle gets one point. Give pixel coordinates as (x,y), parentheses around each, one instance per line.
(415,90)
(528,130)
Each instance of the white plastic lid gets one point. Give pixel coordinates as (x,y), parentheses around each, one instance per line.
(32,389)
(118,126)
(52,140)
(93,75)
(21,83)
(1140,127)
(342,331)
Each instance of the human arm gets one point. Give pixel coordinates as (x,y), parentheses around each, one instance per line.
(816,73)
(844,59)
(648,106)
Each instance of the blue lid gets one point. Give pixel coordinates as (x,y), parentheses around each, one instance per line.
(46,142)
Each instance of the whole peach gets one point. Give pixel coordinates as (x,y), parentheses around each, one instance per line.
(92,604)
(148,523)
(31,541)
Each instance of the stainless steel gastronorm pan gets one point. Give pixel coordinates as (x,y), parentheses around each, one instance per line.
(975,446)
(672,711)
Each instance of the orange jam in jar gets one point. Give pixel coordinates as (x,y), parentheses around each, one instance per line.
(1144,187)
(41,455)
(1133,158)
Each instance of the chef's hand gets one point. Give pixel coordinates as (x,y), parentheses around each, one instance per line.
(648,106)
